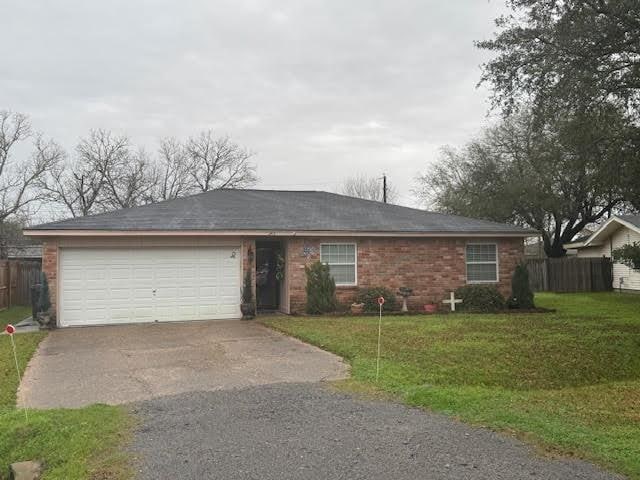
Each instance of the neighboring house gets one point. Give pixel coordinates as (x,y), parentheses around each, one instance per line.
(184,259)
(614,233)
(24,252)
(534,247)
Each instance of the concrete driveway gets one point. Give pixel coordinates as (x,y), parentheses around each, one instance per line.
(119,364)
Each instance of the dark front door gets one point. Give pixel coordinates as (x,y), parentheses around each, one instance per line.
(267,285)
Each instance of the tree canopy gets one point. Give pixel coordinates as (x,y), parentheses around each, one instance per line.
(566,78)
(556,177)
(562,53)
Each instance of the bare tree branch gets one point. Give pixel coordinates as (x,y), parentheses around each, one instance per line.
(86,184)
(129,182)
(172,172)
(20,178)
(369,188)
(219,163)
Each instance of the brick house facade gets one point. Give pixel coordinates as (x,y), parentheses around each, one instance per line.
(432,267)
(185,259)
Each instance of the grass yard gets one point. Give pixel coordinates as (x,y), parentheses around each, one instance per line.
(74,444)
(13,315)
(568,381)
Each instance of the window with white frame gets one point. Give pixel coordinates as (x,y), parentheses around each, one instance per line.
(482,262)
(342,259)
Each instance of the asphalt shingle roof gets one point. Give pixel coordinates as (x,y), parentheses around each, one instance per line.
(634,219)
(273,210)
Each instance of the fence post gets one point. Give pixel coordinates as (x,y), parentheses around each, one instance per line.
(545,274)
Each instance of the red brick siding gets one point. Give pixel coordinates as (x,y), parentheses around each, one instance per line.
(431,266)
(50,269)
(249,261)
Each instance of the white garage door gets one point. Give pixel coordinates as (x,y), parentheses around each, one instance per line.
(125,285)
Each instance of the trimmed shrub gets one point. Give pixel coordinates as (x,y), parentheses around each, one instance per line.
(369,296)
(480,298)
(44,300)
(247,288)
(521,294)
(321,289)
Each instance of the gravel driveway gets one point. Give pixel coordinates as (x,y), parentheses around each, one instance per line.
(307,431)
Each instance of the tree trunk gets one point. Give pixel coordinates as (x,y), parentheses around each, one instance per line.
(555,249)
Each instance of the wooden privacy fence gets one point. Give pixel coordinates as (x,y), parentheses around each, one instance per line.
(16,279)
(570,274)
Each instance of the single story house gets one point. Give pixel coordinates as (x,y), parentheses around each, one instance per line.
(614,233)
(185,259)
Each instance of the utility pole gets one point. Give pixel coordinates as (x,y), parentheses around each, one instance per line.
(384,187)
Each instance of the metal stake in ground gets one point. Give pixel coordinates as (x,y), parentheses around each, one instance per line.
(10,329)
(380,302)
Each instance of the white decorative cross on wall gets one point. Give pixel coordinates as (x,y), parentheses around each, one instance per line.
(453,300)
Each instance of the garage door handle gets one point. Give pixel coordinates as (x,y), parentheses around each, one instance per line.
(154,292)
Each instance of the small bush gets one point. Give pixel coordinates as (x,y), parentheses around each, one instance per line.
(628,255)
(247,288)
(480,298)
(44,300)
(321,289)
(521,294)
(369,296)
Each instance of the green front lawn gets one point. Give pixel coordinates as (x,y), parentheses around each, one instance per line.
(569,380)
(13,315)
(74,444)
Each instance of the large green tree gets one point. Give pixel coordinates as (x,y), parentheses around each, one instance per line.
(560,53)
(562,56)
(556,176)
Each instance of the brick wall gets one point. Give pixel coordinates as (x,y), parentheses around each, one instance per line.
(433,267)
(249,262)
(50,269)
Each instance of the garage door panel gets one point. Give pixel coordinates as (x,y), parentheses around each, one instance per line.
(102,286)
(116,273)
(95,283)
(207,293)
(121,293)
(94,296)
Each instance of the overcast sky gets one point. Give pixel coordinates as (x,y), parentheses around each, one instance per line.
(319,90)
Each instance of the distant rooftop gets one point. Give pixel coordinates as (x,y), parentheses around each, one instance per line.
(24,251)
(633,219)
(277,210)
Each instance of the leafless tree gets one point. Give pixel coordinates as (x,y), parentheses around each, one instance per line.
(172,174)
(368,188)
(82,185)
(106,174)
(20,175)
(129,182)
(219,163)
(19,178)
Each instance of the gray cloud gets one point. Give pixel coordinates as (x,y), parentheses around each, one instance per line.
(320,90)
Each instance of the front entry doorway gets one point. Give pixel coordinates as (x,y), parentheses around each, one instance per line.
(269,266)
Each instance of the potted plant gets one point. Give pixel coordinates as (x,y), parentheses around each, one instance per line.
(279,266)
(405,292)
(44,315)
(430,307)
(247,307)
(357,308)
